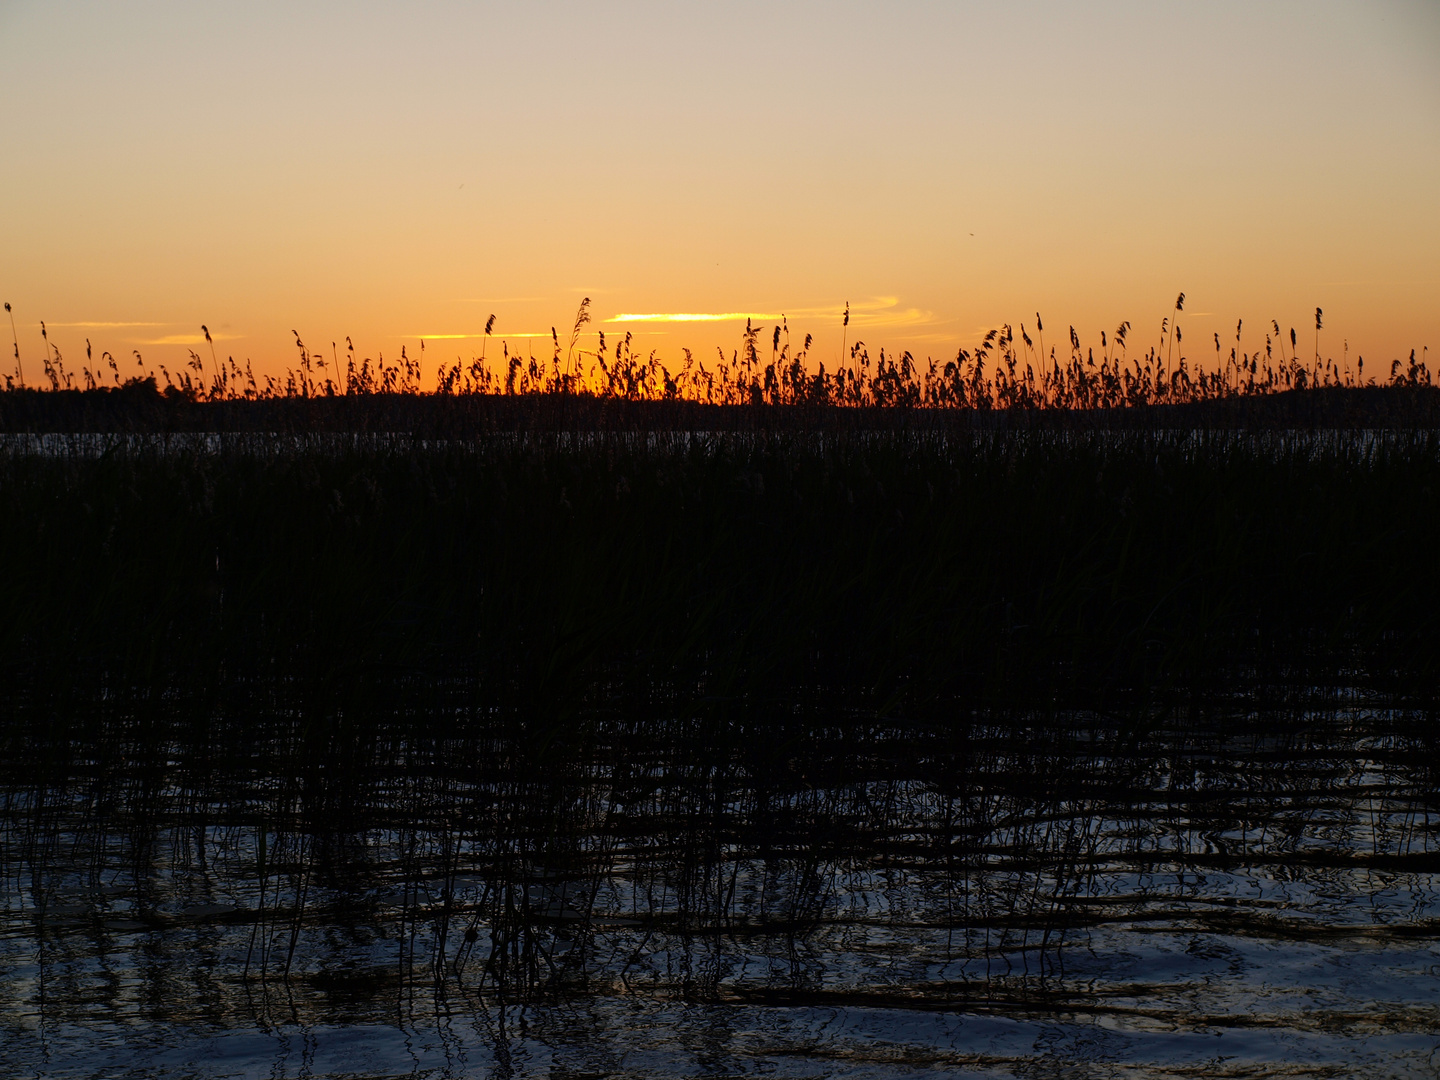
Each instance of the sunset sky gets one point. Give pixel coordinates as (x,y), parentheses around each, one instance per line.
(391,172)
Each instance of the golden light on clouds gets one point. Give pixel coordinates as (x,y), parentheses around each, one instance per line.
(478,334)
(886,311)
(879,311)
(187,339)
(684,316)
(104,325)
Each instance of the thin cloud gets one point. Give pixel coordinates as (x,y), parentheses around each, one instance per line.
(188,339)
(106,324)
(461,337)
(691,316)
(585,334)
(886,311)
(874,311)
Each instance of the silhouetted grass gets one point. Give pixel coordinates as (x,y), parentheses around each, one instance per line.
(1000,373)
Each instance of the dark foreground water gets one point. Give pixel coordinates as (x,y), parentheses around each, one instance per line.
(1256,893)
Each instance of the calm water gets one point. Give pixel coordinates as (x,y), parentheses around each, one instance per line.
(1257,894)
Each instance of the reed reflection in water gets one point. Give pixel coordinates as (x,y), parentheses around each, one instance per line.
(635,753)
(721,892)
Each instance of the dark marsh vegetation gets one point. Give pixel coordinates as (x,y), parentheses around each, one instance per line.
(915,567)
(926,717)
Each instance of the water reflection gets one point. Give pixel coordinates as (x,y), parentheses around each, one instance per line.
(807,893)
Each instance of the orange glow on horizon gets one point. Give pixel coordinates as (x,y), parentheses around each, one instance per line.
(1286,158)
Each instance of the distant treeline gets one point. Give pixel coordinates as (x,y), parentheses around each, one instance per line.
(141,407)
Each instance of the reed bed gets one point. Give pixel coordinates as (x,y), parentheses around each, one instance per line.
(920,565)
(374,717)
